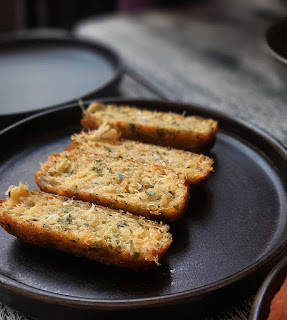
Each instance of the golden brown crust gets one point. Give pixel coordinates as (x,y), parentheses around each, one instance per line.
(196,167)
(22,219)
(50,239)
(88,122)
(169,214)
(188,140)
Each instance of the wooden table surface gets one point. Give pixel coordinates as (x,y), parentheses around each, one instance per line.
(209,53)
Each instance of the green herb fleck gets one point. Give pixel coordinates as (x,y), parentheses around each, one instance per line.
(160,132)
(108,149)
(132,250)
(123,224)
(150,194)
(116,235)
(121,176)
(98,170)
(133,128)
(69,219)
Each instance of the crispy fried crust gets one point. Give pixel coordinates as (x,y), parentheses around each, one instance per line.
(154,133)
(196,167)
(84,168)
(50,239)
(99,250)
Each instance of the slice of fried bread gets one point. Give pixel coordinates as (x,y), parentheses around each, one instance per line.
(196,167)
(156,192)
(191,133)
(109,236)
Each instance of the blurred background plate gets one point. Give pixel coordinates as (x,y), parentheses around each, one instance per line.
(276,39)
(48,68)
(271,285)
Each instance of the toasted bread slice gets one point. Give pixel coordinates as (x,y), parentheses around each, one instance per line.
(196,167)
(153,191)
(109,236)
(191,133)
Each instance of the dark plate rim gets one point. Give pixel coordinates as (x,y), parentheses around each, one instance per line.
(234,126)
(268,34)
(265,294)
(66,37)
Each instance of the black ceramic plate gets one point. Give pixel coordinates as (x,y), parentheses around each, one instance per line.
(261,307)
(42,69)
(234,226)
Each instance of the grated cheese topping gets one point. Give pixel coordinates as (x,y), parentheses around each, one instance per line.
(156,189)
(109,112)
(87,222)
(195,166)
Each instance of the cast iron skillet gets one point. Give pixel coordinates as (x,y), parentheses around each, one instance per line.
(234,229)
(42,69)
(271,285)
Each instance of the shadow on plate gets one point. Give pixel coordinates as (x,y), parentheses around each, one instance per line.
(63,273)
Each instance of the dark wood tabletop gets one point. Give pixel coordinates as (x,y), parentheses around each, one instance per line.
(207,53)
